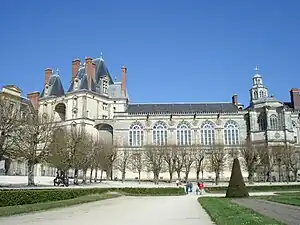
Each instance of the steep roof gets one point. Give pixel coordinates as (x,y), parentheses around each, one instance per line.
(55,87)
(179,108)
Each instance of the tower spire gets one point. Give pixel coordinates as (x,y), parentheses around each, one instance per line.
(256,70)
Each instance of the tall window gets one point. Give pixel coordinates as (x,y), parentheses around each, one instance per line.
(160,133)
(273,122)
(231,133)
(261,94)
(105,86)
(255,95)
(262,122)
(207,133)
(136,134)
(184,134)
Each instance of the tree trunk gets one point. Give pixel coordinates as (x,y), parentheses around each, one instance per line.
(250,177)
(101,175)
(295,174)
(178,174)
(187,172)
(202,174)
(30,173)
(76,176)
(279,173)
(123,175)
(217,177)
(7,164)
(171,176)
(139,177)
(156,177)
(84,176)
(197,174)
(91,175)
(96,175)
(287,172)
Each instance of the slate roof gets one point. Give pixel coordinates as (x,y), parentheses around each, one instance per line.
(101,71)
(183,108)
(55,87)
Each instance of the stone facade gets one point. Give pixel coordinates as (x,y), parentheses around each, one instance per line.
(102,106)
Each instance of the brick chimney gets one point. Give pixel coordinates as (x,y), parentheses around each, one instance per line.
(34,98)
(124,78)
(295,97)
(90,68)
(75,67)
(48,74)
(235,99)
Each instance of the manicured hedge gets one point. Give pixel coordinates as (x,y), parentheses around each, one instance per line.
(21,197)
(257,188)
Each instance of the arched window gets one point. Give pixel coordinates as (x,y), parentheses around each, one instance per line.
(261,94)
(231,133)
(255,95)
(184,134)
(207,133)
(262,122)
(136,134)
(273,122)
(160,133)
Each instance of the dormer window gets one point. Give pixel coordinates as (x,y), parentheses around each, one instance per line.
(105,85)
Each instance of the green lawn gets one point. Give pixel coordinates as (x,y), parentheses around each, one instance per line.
(18,209)
(223,212)
(285,198)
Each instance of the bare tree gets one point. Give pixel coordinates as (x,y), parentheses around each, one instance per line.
(179,160)
(75,138)
(154,159)
(291,161)
(10,121)
(122,162)
(59,155)
(169,157)
(108,157)
(32,141)
(278,159)
(188,160)
(250,157)
(217,160)
(199,154)
(266,162)
(137,163)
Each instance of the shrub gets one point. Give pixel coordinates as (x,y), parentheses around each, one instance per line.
(236,187)
(22,197)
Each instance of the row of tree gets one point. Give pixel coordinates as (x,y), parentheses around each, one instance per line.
(37,138)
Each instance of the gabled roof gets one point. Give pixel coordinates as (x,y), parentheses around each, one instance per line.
(179,108)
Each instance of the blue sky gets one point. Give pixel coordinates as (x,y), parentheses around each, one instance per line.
(175,51)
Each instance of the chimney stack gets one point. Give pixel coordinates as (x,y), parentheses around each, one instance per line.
(124,78)
(48,74)
(75,67)
(235,99)
(90,70)
(34,98)
(295,97)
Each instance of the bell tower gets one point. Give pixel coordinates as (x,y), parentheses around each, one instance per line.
(258,90)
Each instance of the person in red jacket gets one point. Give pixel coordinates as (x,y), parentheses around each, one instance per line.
(201,187)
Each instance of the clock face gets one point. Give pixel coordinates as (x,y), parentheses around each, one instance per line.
(277,135)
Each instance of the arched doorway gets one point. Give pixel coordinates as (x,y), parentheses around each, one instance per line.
(60,111)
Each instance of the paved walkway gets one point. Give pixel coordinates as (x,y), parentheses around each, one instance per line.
(287,214)
(175,210)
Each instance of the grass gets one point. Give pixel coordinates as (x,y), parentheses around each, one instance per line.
(19,209)
(285,198)
(224,212)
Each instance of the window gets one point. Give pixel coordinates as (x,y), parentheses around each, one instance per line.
(262,122)
(207,133)
(273,122)
(104,106)
(261,94)
(255,95)
(136,134)
(105,86)
(160,133)
(231,133)
(184,134)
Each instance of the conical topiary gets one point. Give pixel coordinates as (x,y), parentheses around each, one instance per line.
(236,187)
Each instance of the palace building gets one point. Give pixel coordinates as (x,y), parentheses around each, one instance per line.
(101,105)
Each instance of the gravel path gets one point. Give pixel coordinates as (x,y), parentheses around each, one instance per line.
(123,210)
(287,214)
